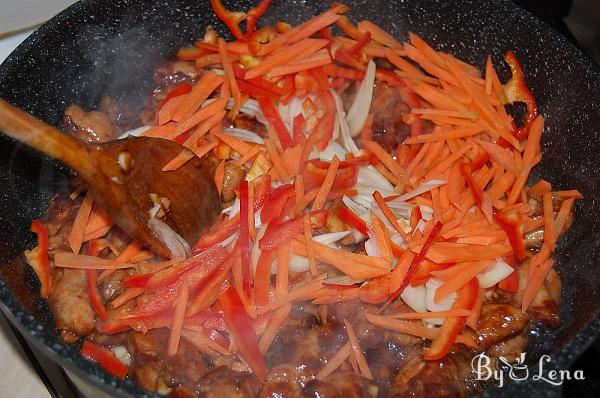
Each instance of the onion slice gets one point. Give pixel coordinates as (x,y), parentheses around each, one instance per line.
(175,243)
(359,111)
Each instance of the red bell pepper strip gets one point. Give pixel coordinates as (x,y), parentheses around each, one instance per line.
(244,239)
(104,358)
(299,126)
(262,190)
(38,258)
(231,19)
(162,319)
(254,14)
(314,175)
(190,53)
(216,337)
(217,236)
(137,280)
(241,327)
(446,337)
(278,233)
(362,41)
(347,216)
(262,278)
(260,37)
(272,114)
(92,284)
(512,224)
(516,89)
(327,122)
(255,91)
(511,282)
(275,203)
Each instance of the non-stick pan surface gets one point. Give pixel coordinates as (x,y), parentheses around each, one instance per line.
(98,48)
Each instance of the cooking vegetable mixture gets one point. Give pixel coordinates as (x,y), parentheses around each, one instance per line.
(377,230)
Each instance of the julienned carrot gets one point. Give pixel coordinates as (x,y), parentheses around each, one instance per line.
(448,134)
(309,247)
(356,266)
(127,296)
(199,116)
(82,261)
(399,273)
(303,202)
(572,193)
(200,92)
(98,224)
(387,212)
(283,269)
(335,362)
(357,352)
(327,184)
(379,233)
(284,55)
(178,318)
(426,50)
(563,213)
(413,328)
(314,25)
(279,316)
(379,35)
(77,234)
(162,131)
(469,272)
(276,159)
(184,156)
(489,69)
(249,155)
(238,145)
(539,188)
(220,176)
(450,252)
(549,233)
(534,282)
(499,155)
(166,112)
(228,69)
(319,58)
(385,158)
(430,314)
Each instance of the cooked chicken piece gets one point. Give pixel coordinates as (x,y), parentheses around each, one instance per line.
(232,179)
(510,349)
(499,322)
(222,382)
(285,381)
(121,114)
(70,305)
(340,384)
(90,126)
(112,286)
(154,369)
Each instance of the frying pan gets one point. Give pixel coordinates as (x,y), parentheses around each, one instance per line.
(97,48)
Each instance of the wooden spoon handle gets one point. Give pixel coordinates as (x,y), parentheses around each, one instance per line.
(26,128)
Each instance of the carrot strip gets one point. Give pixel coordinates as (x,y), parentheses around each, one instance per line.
(335,362)
(489,68)
(573,193)
(127,296)
(387,212)
(200,92)
(251,154)
(303,202)
(199,116)
(327,184)
(549,233)
(166,112)
(413,328)
(380,234)
(184,156)
(162,131)
(262,278)
(356,266)
(82,261)
(220,176)
(319,58)
(359,356)
(563,213)
(238,145)
(230,76)
(431,314)
(385,158)
(276,159)
(450,252)
(534,282)
(283,269)
(178,318)
(540,188)
(279,316)
(284,55)
(314,25)
(309,247)
(379,35)
(77,234)
(469,272)
(399,273)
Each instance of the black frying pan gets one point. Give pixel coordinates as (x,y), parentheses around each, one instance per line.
(98,48)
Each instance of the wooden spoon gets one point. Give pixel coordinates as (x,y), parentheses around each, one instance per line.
(122,174)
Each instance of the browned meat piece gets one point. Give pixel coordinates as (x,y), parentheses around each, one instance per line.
(247,123)
(419,378)
(90,126)
(232,179)
(172,74)
(112,286)
(122,116)
(337,385)
(285,381)
(154,370)
(510,349)
(69,303)
(499,322)
(222,382)
(368,335)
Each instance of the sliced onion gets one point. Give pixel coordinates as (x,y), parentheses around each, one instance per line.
(332,237)
(250,108)
(445,304)
(359,111)
(333,149)
(233,209)
(426,212)
(136,132)
(493,274)
(399,240)
(368,176)
(345,137)
(297,264)
(415,297)
(172,240)
(372,249)
(122,354)
(244,135)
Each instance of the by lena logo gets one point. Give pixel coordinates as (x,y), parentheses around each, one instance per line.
(518,370)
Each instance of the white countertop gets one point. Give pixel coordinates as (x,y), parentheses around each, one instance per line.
(17,377)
